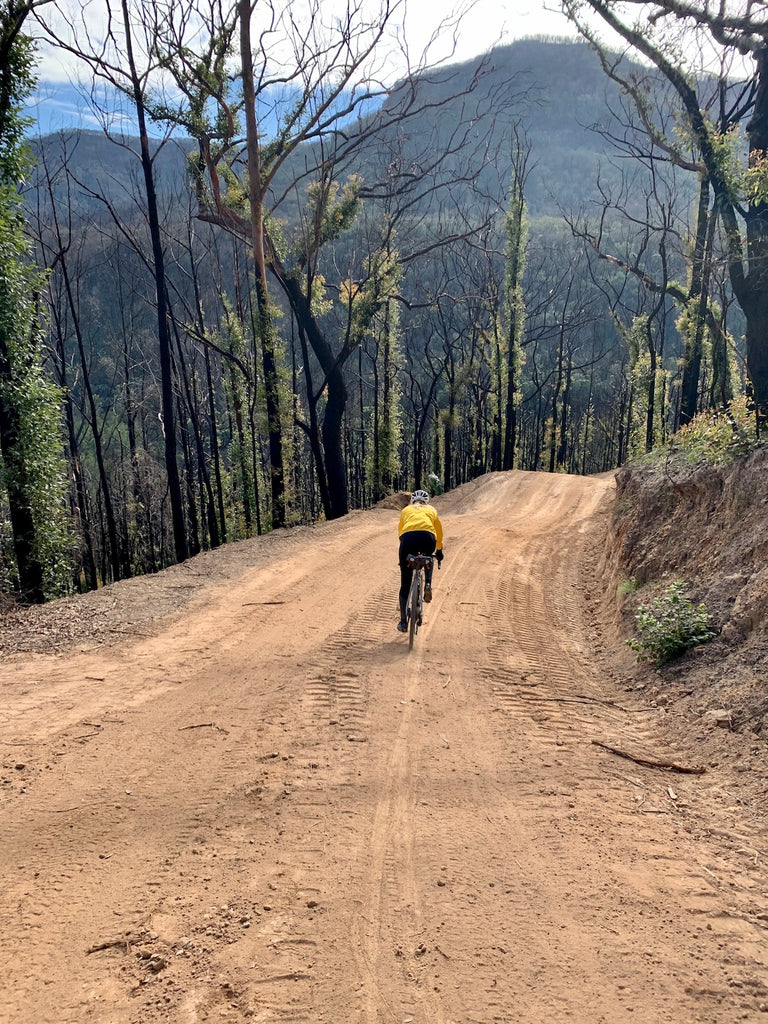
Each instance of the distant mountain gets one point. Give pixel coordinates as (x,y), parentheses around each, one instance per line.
(568,94)
(554,90)
(107,166)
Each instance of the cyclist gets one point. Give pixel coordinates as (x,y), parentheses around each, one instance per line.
(421,533)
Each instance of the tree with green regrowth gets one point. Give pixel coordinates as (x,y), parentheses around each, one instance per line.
(121,62)
(516,229)
(32,479)
(384,331)
(306,88)
(728,130)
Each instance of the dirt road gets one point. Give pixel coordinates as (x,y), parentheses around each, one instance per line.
(272,811)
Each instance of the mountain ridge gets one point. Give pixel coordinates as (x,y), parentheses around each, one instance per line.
(536,74)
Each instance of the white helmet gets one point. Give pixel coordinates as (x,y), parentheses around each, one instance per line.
(419,496)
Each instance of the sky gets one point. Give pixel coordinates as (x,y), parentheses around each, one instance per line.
(492,22)
(57,102)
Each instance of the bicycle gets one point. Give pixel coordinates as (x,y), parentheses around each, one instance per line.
(415,603)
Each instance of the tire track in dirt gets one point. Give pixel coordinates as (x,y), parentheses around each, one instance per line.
(466,838)
(327,702)
(477,896)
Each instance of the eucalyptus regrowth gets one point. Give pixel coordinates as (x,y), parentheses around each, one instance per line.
(32,477)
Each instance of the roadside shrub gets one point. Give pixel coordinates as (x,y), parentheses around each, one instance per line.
(627,587)
(669,626)
(717,436)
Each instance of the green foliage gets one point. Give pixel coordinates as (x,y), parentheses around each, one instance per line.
(320,300)
(717,436)
(238,394)
(641,378)
(383,461)
(210,112)
(722,349)
(687,323)
(7,560)
(634,336)
(366,299)
(16,82)
(32,470)
(43,471)
(725,146)
(331,209)
(516,232)
(715,345)
(669,626)
(627,587)
(235,194)
(756,178)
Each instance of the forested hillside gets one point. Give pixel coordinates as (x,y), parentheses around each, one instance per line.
(444,282)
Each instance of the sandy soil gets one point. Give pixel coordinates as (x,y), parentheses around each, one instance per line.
(262,806)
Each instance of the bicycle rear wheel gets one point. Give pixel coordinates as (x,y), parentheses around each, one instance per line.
(413,608)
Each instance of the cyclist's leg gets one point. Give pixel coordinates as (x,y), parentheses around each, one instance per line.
(406,548)
(405,586)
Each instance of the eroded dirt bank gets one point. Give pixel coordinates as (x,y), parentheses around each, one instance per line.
(706,526)
(267,809)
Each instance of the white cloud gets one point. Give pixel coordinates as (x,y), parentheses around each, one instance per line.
(488,23)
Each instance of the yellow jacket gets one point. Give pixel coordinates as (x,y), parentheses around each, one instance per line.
(421,517)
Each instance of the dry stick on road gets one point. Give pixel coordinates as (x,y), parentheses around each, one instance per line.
(669,766)
(124,942)
(581,698)
(204,725)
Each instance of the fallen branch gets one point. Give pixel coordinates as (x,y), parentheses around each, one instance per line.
(535,698)
(292,976)
(126,941)
(123,943)
(578,699)
(613,704)
(205,725)
(669,766)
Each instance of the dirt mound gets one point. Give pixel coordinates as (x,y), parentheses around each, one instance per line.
(398,500)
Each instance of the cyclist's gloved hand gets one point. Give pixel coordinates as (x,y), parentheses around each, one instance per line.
(439,556)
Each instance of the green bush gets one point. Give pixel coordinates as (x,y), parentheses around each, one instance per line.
(669,626)
(717,436)
(627,587)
